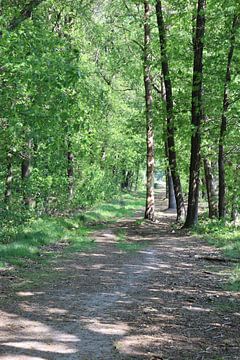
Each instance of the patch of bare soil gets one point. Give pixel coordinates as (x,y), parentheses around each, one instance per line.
(160,302)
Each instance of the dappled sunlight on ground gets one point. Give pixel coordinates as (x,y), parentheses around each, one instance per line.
(95,325)
(21,335)
(112,304)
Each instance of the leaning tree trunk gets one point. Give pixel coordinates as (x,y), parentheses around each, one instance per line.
(172,157)
(211,195)
(223,129)
(149,212)
(197,117)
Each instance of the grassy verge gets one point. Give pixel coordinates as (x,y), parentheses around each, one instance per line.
(117,208)
(48,236)
(125,245)
(227,238)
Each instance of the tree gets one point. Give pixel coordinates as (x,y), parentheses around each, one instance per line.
(149,212)
(223,128)
(211,193)
(171,151)
(197,117)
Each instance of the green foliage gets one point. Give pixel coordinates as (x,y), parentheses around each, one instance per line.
(125,207)
(38,239)
(34,240)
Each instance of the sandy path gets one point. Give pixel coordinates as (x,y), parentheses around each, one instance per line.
(156,303)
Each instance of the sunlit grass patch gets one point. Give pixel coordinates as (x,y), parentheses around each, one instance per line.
(117,208)
(139,221)
(129,246)
(49,236)
(234,284)
(224,236)
(34,240)
(125,245)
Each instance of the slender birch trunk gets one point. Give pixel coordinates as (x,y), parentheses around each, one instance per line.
(149,212)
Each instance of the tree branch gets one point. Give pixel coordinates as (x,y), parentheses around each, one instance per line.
(24,14)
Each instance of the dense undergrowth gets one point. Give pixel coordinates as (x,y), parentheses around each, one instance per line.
(43,237)
(226,237)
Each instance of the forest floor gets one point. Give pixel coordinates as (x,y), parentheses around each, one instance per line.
(140,293)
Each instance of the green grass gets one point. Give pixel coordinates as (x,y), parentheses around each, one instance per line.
(125,245)
(225,237)
(34,241)
(126,206)
(139,221)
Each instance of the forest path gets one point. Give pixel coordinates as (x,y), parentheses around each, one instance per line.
(157,302)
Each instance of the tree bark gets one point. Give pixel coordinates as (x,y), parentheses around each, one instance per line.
(223,128)
(211,194)
(197,117)
(149,211)
(172,157)
(171,195)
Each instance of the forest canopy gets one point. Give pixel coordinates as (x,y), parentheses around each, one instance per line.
(81,79)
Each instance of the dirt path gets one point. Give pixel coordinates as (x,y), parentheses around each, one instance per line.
(159,302)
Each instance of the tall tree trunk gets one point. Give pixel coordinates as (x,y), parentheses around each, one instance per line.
(171,195)
(9,179)
(211,195)
(166,183)
(172,157)
(223,129)
(149,212)
(197,117)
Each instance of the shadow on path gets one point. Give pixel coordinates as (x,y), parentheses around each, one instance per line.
(159,302)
